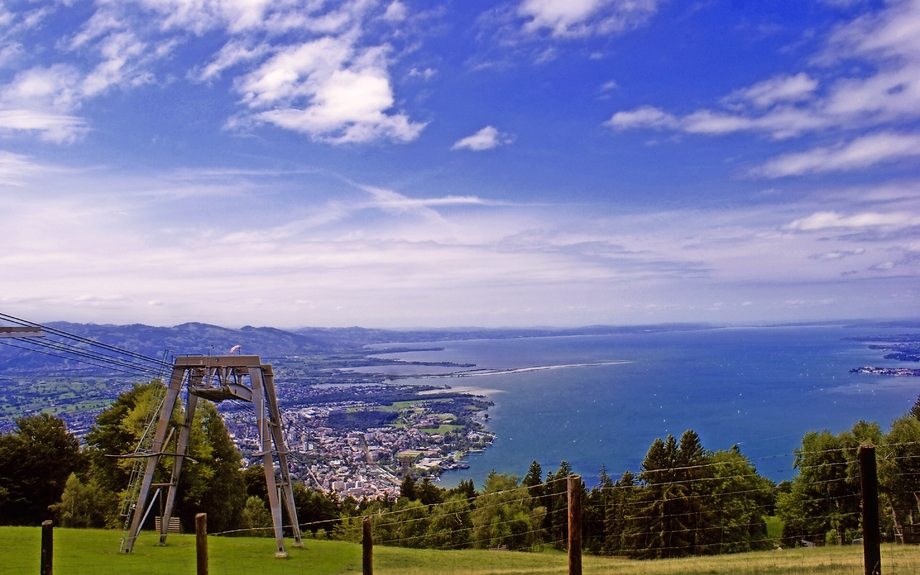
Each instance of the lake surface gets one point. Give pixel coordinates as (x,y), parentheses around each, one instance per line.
(759,388)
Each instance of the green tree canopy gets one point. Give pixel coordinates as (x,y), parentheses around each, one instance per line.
(36,459)
(213,485)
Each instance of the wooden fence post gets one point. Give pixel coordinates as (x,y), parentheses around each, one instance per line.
(367,543)
(574,525)
(47,547)
(201,542)
(868,480)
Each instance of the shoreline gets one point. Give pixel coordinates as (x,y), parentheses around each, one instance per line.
(488,372)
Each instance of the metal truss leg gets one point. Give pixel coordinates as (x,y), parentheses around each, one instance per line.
(169,403)
(181,452)
(287,487)
(265,436)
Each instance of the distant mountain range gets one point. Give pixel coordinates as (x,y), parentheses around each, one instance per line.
(271,343)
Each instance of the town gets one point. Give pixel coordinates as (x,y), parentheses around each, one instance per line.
(357,441)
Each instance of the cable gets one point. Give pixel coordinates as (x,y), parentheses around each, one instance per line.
(64,334)
(11,344)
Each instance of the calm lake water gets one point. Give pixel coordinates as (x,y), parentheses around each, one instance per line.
(759,388)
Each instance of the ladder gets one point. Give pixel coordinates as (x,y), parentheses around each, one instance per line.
(141,452)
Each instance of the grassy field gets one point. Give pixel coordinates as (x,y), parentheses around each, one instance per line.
(95,552)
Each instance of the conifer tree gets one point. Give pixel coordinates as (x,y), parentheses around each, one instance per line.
(407,488)
(616,515)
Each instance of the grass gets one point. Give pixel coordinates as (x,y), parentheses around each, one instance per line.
(90,551)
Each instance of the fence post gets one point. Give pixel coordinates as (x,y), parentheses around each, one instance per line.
(367,543)
(47,547)
(868,480)
(574,525)
(201,542)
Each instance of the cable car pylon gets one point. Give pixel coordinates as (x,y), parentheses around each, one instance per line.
(218,378)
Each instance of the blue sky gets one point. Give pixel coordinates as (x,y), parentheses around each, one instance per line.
(402,163)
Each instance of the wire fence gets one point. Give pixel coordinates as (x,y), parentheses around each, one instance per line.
(700,516)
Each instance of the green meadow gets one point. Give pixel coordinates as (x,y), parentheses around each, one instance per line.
(95,552)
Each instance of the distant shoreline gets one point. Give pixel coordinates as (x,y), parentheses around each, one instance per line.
(488,372)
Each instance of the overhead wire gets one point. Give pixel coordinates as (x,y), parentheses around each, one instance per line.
(86,340)
(84,350)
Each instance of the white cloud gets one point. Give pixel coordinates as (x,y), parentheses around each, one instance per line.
(788,106)
(485,139)
(14,168)
(58,128)
(644,117)
(51,88)
(122,65)
(385,258)
(426,74)
(861,153)
(842,3)
(778,89)
(609,85)
(234,52)
(332,83)
(829,220)
(395,12)
(41,100)
(585,17)
(839,254)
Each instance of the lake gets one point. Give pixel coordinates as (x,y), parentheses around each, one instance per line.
(760,388)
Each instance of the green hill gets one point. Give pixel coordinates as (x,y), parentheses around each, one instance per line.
(92,552)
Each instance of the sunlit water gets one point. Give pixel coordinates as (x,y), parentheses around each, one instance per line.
(759,388)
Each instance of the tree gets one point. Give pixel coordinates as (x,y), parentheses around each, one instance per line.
(213,485)
(899,474)
(464,488)
(407,488)
(660,526)
(824,499)
(616,513)
(695,472)
(450,524)
(534,480)
(36,460)
(315,510)
(594,513)
(429,493)
(254,480)
(256,518)
(504,516)
(742,498)
(556,502)
(672,508)
(83,505)
(117,431)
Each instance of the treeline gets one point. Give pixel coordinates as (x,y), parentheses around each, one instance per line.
(822,504)
(683,500)
(44,472)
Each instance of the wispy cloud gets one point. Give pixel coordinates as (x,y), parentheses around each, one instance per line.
(859,154)
(866,106)
(329,78)
(386,257)
(827,220)
(485,139)
(572,18)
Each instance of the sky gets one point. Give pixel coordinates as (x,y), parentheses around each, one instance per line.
(403,163)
